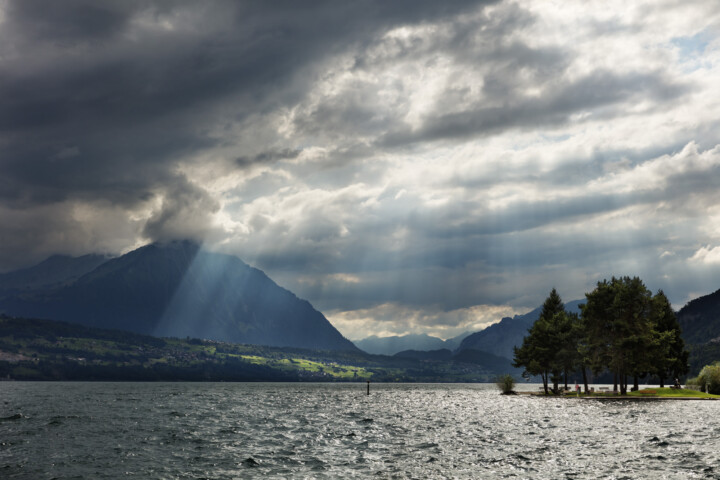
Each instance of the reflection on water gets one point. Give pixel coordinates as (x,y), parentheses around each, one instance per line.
(225,431)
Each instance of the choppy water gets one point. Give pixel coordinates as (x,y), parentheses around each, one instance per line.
(228,431)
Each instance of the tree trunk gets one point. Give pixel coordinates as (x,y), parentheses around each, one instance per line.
(636,383)
(615,381)
(585,380)
(623,383)
(566,379)
(545,382)
(662,382)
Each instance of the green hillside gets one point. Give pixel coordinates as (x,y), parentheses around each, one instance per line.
(50,350)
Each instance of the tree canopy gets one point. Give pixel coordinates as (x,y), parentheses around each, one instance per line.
(623,329)
(550,349)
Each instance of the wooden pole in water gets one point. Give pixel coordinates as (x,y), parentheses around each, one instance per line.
(368,387)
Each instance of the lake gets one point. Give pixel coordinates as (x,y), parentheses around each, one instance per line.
(239,430)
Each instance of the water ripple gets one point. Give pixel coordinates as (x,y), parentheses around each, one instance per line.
(232,431)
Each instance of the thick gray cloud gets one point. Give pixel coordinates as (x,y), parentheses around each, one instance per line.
(436,163)
(600,89)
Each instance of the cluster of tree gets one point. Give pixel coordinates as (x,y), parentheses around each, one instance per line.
(709,379)
(622,328)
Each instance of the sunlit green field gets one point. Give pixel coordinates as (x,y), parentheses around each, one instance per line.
(331,369)
(45,350)
(671,392)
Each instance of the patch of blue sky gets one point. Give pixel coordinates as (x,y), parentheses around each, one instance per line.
(691,50)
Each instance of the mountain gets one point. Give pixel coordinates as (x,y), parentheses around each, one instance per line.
(394,344)
(500,338)
(467,356)
(442,355)
(488,360)
(56,270)
(700,320)
(454,342)
(177,289)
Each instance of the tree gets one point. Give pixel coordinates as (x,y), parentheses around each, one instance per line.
(634,327)
(622,328)
(533,354)
(583,360)
(565,344)
(670,359)
(614,315)
(630,332)
(597,314)
(709,379)
(543,351)
(506,384)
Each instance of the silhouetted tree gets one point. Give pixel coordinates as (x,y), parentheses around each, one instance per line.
(545,349)
(670,359)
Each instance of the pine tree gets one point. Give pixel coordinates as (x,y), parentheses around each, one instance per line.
(670,359)
(544,351)
(597,315)
(536,353)
(619,333)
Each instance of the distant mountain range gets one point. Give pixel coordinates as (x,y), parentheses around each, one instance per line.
(173,289)
(394,344)
(500,338)
(497,339)
(177,289)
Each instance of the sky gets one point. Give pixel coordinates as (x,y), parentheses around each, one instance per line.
(407,166)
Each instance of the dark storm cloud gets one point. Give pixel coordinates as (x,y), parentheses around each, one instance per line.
(505,67)
(324,139)
(268,157)
(68,21)
(479,45)
(185,212)
(101,100)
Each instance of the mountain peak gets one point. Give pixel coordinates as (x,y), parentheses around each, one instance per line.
(413,341)
(178,289)
(500,338)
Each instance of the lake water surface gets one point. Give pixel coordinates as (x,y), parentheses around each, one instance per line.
(238,431)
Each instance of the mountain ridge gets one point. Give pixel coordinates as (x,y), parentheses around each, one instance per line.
(178,289)
(54,270)
(414,341)
(500,338)
(699,319)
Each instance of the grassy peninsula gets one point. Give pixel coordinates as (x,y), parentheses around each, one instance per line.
(646,393)
(671,393)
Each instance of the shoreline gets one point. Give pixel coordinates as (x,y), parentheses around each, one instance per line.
(616,397)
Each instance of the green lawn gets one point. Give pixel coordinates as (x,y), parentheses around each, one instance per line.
(671,392)
(646,393)
(331,369)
